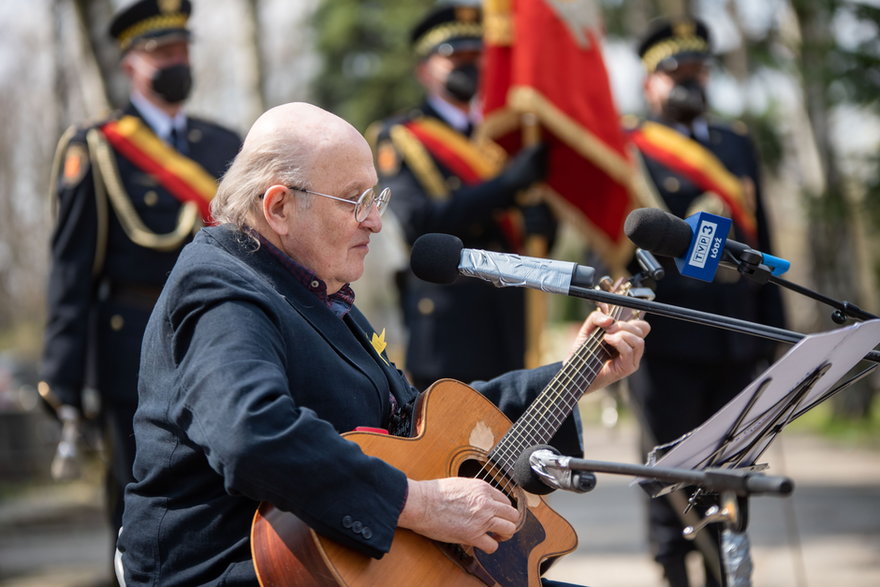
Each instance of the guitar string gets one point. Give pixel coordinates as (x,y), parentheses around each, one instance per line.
(507,449)
(575,380)
(545,413)
(551,407)
(545,418)
(511,450)
(559,387)
(522,437)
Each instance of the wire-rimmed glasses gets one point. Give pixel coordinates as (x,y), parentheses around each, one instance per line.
(362,205)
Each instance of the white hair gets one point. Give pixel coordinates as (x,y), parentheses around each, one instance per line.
(254,170)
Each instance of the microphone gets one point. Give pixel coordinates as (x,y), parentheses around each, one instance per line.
(528,478)
(697,243)
(541,469)
(440,258)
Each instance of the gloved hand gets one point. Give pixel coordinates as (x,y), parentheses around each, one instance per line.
(66,463)
(539,219)
(527,167)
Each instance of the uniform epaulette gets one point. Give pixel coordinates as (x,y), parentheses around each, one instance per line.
(104,118)
(404,117)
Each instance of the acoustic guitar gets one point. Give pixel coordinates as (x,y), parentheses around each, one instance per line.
(458,432)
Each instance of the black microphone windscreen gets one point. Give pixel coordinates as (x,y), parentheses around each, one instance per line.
(435,257)
(523,475)
(658,231)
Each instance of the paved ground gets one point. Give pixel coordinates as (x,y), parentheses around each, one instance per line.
(826,533)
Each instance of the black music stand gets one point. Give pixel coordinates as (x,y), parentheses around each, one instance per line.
(737,435)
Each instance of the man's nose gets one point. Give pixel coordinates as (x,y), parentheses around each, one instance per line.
(373,221)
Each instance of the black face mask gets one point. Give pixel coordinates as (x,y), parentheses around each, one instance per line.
(462,82)
(173,83)
(685,102)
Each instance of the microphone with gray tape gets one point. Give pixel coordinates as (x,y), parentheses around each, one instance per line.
(441,258)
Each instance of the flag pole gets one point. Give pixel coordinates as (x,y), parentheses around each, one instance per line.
(535,246)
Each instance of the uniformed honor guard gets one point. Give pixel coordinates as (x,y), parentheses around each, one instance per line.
(131,191)
(442,182)
(696,164)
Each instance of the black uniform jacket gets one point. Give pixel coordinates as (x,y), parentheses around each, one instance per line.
(470,329)
(247,380)
(102,285)
(729,294)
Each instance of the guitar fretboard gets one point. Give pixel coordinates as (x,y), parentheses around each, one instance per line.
(545,415)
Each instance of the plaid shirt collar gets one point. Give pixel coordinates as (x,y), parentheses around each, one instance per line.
(340,302)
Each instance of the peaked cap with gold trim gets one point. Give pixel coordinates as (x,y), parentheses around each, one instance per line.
(449,27)
(669,42)
(150,19)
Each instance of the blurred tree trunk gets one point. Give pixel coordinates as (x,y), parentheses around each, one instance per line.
(81,75)
(831,216)
(98,54)
(259,65)
(736,61)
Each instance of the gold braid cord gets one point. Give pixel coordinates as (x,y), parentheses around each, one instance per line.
(100,200)
(188,221)
(55,171)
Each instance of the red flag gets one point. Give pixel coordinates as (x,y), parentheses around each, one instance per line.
(543,59)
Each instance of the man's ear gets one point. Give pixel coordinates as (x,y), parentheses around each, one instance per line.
(126,65)
(277,208)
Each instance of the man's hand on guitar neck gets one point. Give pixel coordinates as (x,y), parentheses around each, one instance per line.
(459,510)
(626,338)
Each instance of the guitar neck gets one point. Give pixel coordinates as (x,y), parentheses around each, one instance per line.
(545,415)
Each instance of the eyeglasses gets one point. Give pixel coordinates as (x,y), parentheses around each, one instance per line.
(364,202)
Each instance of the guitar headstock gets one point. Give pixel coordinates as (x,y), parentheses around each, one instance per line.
(625,287)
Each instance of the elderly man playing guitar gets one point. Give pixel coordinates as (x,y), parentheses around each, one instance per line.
(263,388)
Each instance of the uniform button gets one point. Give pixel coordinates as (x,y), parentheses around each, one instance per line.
(194,135)
(426,306)
(346,522)
(314,284)
(671,184)
(151,198)
(367,533)
(357,527)
(117,322)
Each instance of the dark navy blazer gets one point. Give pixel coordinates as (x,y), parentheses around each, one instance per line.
(247,379)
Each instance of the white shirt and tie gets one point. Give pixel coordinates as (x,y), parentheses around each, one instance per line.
(452,115)
(171,130)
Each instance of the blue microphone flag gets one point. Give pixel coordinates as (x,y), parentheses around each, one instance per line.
(707,246)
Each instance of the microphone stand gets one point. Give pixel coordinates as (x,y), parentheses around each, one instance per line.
(689,315)
(734,487)
(749,264)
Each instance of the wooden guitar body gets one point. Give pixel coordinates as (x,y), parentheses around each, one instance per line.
(456,429)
